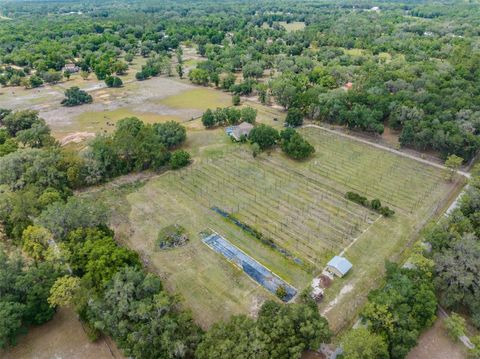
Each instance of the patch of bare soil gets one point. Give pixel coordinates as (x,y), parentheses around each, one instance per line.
(61,338)
(436,344)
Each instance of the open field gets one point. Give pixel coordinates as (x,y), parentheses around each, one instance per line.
(436,344)
(62,337)
(300,206)
(293,26)
(198,99)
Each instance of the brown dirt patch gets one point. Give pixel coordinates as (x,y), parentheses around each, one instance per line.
(62,337)
(436,344)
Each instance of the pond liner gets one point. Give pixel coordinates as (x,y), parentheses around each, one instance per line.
(258,272)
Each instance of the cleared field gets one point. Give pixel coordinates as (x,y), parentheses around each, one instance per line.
(62,337)
(300,206)
(293,26)
(104,121)
(198,99)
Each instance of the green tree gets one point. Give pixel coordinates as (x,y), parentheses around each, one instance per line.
(208,119)
(171,133)
(74,97)
(63,291)
(199,77)
(11,325)
(20,120)
(294,117)
(455,325)
(36,241)
(248,114)
(362,344)
(453,163)
(142,318)
(265,136)
(113,81)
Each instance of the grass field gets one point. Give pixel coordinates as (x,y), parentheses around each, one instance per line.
(293,26)
(198,99)
(299,205)
(104,121)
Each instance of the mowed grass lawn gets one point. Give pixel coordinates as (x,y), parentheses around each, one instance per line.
(299,205)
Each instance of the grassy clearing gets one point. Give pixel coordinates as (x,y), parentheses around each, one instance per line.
(299,205)
(198,99)
(104,121)
(293,26)
(62,337)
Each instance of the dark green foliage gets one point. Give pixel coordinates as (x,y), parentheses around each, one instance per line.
(74,97)
(179,159)
(142,318)
(236,100)
(20,120)
(280,331)
(24,293)
(402,308)
(294,117)
(61,218)
(171,133)
(96,257)
(295,146)
(265,136)
(133,146)
(208,119)
(375,204)
(113,81)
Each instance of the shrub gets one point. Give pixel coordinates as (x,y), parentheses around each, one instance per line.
(113,81)
(281,292)
(179,159)
(171,237)
(236,100)
(376,204)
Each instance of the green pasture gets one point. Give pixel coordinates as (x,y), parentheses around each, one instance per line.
(198,99)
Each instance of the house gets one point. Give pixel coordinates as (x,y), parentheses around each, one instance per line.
(71,68)
(339,266)
(240,131)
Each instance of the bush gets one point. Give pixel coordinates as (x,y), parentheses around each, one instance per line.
(113,81)
(281,292)
(140,76)
(179,159)
(249,114)
(208,119)
(171,237)
(355,197)
(376,204)
(236,100)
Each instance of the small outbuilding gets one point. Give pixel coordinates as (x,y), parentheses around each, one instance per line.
(339,266)
(72,68)
(240,131)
